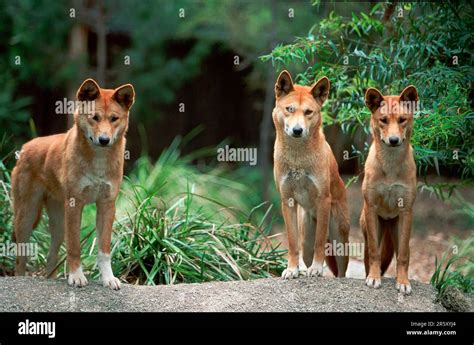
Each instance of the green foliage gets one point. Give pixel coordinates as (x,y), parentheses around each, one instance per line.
(457,270)
(462,277)
(6,220)
(24,25)
(33,54)
(156,70)
(174,173)
(164,246)
(13,113)
(173,224)
(419,49)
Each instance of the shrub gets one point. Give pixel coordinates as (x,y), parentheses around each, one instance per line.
(454,277)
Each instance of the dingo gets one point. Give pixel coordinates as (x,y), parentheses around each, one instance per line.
(306,175)
(389,186)
(66,171)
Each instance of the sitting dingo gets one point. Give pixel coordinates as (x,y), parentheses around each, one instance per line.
(66,171)
(313,196)
(389,186)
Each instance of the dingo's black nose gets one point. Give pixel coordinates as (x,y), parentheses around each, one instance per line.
(104,140)
(393,141)
(297,131)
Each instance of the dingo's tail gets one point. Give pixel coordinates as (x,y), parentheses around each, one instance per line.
(338,234)
(388,229)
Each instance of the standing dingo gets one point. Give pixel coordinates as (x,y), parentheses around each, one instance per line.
(389,186)
(66,171)
(313,196)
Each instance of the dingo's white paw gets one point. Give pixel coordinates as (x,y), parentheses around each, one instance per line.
(315,270)
(290,273)
(405,289)
(302,266)
(111,282)
(77,278)
(105,268)
(373,282)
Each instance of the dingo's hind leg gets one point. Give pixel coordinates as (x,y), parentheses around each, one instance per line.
(55,211)
(27,200)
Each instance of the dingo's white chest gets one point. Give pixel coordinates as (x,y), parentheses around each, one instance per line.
(300,185)
(94,184)
(394,198)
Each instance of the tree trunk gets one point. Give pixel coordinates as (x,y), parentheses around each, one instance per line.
(101,46)
(266,124)
(77,53)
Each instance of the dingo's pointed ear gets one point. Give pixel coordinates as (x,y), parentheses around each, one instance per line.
(373,99)
(284,84)
(409,94)
(320,90)
(88,91)
(125,96)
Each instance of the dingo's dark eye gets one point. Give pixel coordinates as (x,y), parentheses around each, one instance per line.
(290,109)
(95,117)
(114,118)
(308,112)
(401,120)
(384,120)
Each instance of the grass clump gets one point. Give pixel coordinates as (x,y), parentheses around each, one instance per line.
(453,278)
(177,244)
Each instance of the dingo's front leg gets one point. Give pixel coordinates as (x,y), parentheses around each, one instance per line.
(323,213)
(289,210)
(403,255)
(374,277)
(105,220)
(73,212)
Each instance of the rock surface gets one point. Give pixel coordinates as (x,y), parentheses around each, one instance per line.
(33,294)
